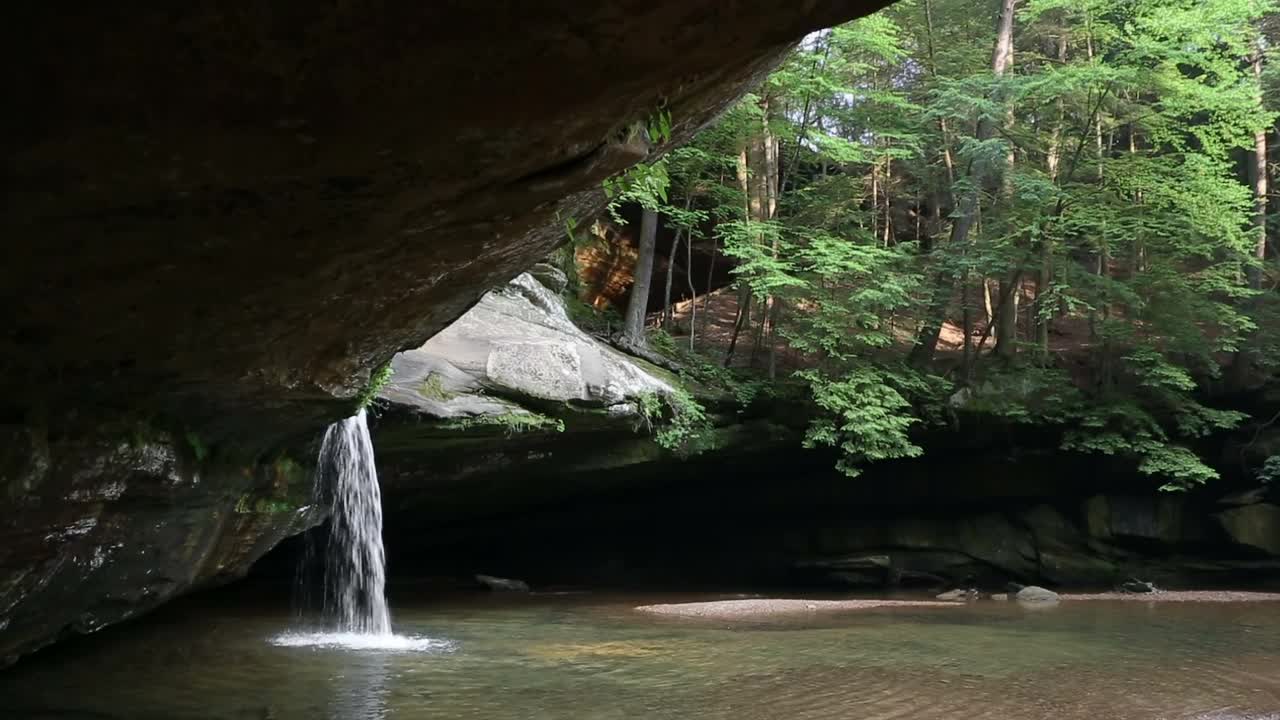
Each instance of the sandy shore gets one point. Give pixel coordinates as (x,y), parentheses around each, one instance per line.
(1205,596)
(759,608)
(773,607)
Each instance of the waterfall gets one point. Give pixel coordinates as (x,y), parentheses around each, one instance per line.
(353,602)
(355,569)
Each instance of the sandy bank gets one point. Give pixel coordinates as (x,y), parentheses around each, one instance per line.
(773,607)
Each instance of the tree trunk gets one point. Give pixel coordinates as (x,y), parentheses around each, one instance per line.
(945,286)
(1040,315)
(1242,362)
(667,314)
(1007,310)
(743,315)
(1007,320)
(888,210)
(760,177)
(693,292)
(638,303)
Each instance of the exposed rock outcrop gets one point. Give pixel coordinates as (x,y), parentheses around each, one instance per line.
(515,349)
(220,219)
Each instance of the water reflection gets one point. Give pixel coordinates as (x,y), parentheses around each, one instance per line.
(595,658)
(360,689)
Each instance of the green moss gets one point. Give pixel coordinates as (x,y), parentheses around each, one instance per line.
(263,506)
(378,379)
(511,422)
(432,388)
(679,422)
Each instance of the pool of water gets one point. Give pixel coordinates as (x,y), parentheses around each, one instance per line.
(592,656)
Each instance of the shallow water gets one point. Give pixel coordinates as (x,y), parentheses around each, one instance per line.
(589,656)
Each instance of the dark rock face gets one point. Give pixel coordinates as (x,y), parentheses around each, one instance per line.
(233,205)
(777,515)
(221,216)
(99,528)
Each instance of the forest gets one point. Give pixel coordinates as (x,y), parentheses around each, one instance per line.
(1058,215)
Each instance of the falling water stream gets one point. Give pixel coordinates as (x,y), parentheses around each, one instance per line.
(354,610)
(355,562)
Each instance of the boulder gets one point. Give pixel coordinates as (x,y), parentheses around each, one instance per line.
(498,584)
(515,350)
(1036,595)
(1255,526)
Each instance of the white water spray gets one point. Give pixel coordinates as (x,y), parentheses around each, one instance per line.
(355,573)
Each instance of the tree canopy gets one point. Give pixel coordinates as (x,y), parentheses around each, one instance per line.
(1039,211)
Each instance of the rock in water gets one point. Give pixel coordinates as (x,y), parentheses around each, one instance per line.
(1135,586)
(498,584)
(1034,594)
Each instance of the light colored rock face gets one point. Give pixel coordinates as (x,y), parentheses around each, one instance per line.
(544,370)
(518,343)
(1257,526)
